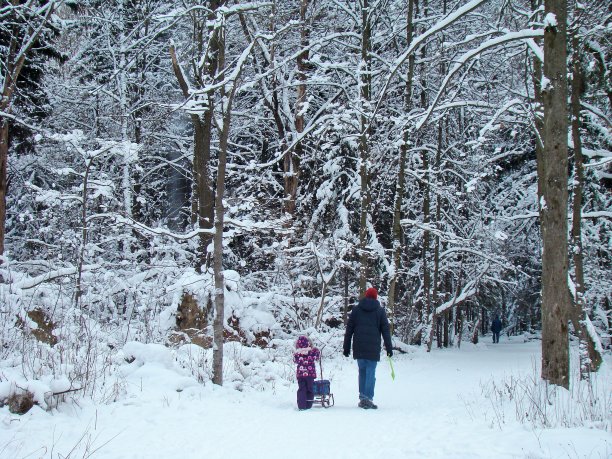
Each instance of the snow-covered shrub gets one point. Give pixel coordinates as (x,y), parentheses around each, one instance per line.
(260,369)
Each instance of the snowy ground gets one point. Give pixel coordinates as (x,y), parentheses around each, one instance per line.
(433,409)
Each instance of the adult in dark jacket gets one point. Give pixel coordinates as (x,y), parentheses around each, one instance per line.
(496,327)
(367,322)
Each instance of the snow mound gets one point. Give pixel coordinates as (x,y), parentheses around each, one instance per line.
(140,354)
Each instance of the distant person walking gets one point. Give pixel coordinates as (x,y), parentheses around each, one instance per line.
(367,322)
(305,356)
(496,327)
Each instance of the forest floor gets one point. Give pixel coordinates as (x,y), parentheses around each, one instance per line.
(435,408)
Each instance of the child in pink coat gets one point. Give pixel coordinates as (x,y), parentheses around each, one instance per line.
(305,356)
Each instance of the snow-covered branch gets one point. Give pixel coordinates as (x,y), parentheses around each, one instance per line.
(51,275)
(487,45)
(416,43)
(467,291)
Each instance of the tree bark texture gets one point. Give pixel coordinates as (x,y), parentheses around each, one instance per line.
(364,151)
(538,104)
(426,302)
(291,161)
(219,321)
(556,301)
(78,291)
(4,131)
(591,359)
(203,201)
(436,271)
(400,187)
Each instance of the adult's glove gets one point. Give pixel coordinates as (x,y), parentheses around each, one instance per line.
(389,353)
(346,353)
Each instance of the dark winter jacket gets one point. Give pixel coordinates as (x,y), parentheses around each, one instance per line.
(305,357)
(496,325)
(367,322)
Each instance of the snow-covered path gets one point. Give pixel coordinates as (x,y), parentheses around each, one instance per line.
(433,409)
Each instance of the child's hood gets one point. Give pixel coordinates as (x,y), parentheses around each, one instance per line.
(303,342)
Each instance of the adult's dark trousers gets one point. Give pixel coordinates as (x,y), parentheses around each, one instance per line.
(496,337)
(305,394)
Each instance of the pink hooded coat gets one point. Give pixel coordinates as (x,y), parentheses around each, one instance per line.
(305,357)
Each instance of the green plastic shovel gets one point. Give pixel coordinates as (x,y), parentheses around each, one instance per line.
(392,370)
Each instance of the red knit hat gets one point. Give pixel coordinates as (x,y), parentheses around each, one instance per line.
(371,293)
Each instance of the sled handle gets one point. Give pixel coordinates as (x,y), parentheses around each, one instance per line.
(321,363)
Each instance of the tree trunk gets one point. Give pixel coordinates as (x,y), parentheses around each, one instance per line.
(425,316)
(219,320)
(459,324)
(474,338)
(137,119)
(205,193)
(79,288)
(436,273)
(400,187)
(538,105)
(346,297)
(447,321)
(590,359)
(364,152)
(126,182)
(16,54)
(553,203)
(4,131)
(203,199)
(203,136)
(426,303)
(292,157)
(484,321)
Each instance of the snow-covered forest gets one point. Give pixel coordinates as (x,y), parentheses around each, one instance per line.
(195,183)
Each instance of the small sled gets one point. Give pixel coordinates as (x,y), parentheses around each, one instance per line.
(321,388)
(322,393)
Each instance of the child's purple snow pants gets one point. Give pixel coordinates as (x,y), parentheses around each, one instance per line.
(305,394)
